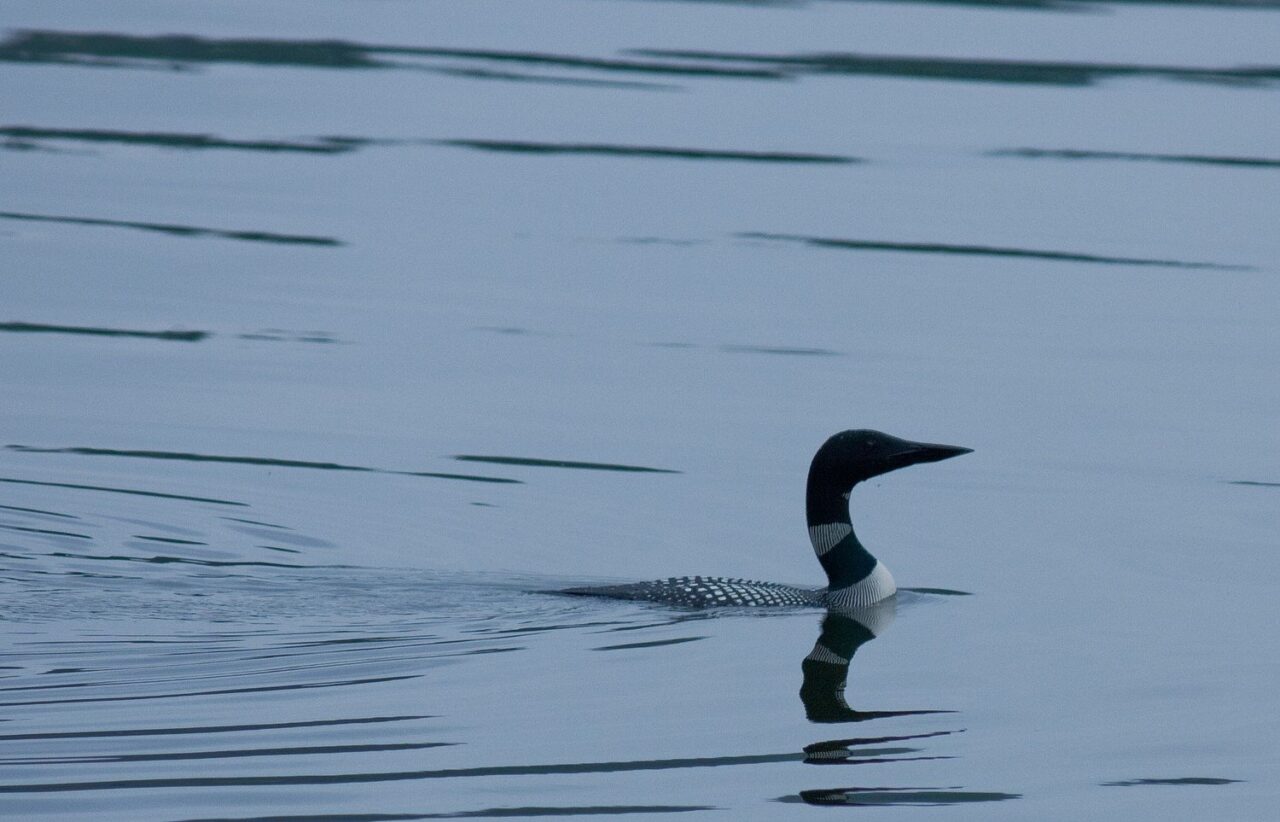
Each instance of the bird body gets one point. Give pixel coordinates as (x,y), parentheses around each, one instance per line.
(855,578)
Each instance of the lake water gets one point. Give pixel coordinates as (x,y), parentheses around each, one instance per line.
(332,334)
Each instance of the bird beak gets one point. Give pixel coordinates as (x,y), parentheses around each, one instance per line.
(929,452)
(913,453)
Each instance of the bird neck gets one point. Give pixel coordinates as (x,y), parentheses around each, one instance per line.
(844,559)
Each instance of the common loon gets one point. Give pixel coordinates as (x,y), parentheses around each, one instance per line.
(855,578)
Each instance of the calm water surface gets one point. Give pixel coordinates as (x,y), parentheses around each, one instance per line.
(330,336)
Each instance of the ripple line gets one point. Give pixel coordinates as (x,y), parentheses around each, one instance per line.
(130,491)
(238,460)
(41,328)
(660,152)
(176,230)
(220,692)
(984,251)
(549,463)
(210,729)
(396,776)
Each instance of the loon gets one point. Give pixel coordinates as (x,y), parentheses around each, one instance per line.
(855,578)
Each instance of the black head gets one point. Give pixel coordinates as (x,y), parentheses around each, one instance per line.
(850,457)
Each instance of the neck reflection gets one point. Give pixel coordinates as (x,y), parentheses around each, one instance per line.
(826,674)
(826,668)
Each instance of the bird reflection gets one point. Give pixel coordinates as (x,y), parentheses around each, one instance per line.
(826,674)
(826,668)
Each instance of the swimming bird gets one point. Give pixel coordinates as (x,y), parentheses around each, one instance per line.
(855,578)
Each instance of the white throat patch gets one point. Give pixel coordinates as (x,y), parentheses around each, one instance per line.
(869,590)
(826,537)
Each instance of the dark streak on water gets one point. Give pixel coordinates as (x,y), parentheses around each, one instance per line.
(51,532)
(118,50)
(185,694)
(657,643)
(842,746)
(269,335)
(167,560)
(984,251)
(1082,154)
(167,756)
(256,522)
(201,730)
(608,150)
(545,463)
(974,71)
(484,813)
(176,230)
(516,77)
(39,328)
(131,491)
(391,776)
(897,796)
(267,461)
(38,511)
(577,62)
(1255,483)
(175,51)
(169,540)
(323,145)
(27,137)
(1181,780)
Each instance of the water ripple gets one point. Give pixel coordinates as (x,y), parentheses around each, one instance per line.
(1021,72)
(40,328)
(242,460)
(1136,156)
(26,135)
(175,230)
(985,251)
(183,51)
(661,152)
(553,463)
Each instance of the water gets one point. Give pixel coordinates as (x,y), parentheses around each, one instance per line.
(331,337)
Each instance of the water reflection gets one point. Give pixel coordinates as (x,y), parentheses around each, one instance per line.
(1021,72)
(1137,156)
(182,52)
(826,668)
(171,335)
(137,492)
(175,230)
(42,328)
(271,462)
(1180,780)
(982,251)
(661,152)
(31,137)
(900,796)
(558,463)
(823,692)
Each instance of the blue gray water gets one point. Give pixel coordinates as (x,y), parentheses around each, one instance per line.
(333,333)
